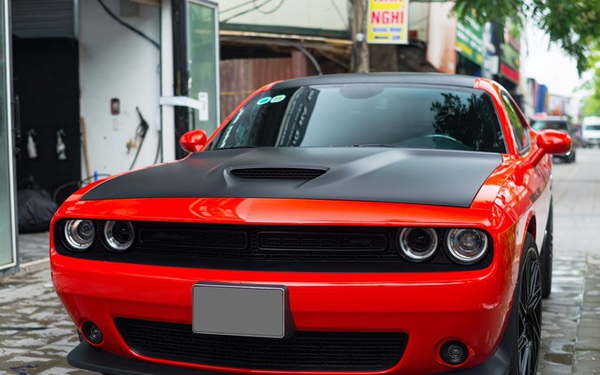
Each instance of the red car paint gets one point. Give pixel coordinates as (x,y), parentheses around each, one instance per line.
(471,306)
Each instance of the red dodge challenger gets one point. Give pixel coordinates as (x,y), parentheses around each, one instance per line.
(343,224)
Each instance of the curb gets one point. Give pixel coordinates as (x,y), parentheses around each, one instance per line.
(33,266)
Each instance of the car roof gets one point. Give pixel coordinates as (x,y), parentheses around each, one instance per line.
(591,120)
(380,78)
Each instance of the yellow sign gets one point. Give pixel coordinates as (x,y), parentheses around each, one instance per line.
(387,22)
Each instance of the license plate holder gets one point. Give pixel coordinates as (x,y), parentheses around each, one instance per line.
(241,310)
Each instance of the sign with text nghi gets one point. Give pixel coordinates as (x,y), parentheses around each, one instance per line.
(387,22)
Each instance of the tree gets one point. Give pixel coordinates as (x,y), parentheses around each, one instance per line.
(572,24)
(591,104)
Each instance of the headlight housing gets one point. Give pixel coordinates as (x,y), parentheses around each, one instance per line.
(466,245)
(119,235)
(79,234)
(418,244)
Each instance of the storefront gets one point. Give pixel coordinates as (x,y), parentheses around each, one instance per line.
(510,61)
(469,47)
(8,240)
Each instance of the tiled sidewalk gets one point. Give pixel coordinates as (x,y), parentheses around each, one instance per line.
(35,331)
(571,319)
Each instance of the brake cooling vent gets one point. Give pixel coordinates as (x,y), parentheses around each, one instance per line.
(276,173)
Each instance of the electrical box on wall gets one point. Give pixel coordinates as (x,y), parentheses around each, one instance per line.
(115,106)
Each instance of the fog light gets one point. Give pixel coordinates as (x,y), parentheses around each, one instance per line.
(454,352)
(92,333)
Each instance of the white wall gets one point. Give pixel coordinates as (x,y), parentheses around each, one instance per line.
(418,19)
(117,63)
(311,14)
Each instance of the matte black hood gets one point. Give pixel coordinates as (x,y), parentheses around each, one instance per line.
(419,176)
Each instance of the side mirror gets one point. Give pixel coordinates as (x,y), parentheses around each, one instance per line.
(554,141)
(193,141)
(551,142)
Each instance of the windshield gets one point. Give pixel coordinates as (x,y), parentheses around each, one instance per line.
(366,115)
(556,125)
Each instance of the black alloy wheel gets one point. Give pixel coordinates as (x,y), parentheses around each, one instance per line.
(529,299)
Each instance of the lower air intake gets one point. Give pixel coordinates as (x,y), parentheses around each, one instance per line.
(305,351)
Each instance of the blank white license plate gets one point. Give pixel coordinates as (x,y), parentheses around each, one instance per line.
(239,310)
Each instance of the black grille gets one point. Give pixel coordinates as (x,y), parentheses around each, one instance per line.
(257,244)
(311,241)
(308,351)
(267,248)
(201,239)
(276,173)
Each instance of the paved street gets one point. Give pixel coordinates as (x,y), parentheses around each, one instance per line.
(36,334)
(571,316)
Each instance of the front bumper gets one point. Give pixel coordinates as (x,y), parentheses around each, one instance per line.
(88,357)
(430,308)
(592,141)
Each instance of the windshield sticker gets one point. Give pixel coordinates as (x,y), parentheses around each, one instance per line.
(264,100)
(278,98)
(268,99)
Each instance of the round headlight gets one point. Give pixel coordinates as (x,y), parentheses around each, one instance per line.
(79,234)
(119,235)
(467,246)
(418,244)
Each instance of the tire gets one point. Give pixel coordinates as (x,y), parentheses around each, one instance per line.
(528,301)
(546,256)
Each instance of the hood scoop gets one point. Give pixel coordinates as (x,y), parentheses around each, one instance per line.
(276,173)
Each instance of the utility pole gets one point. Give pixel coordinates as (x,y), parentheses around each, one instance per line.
(359,62)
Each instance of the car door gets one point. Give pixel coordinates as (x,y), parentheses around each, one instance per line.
(532,182)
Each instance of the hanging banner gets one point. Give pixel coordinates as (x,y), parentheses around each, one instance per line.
(469,39)
(510,60)
(387,22)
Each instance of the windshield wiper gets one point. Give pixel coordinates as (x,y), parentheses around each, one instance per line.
(367,145)
(234,147)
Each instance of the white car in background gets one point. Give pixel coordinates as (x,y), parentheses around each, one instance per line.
(590,130)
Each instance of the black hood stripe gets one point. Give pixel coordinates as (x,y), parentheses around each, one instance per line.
(436,177)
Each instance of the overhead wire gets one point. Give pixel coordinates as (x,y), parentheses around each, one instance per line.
(238,6)
(128,26)
(257,8)
(339,13)
(254,8)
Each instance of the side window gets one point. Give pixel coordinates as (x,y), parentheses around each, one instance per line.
(519,129)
